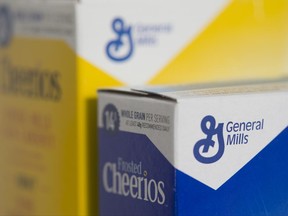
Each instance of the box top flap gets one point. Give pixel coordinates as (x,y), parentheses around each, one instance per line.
(177,92)
(140,92)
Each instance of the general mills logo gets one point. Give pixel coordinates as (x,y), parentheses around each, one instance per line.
(5,26)
(203,148)
(120,48)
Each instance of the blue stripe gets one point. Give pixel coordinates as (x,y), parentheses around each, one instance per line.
(260,188)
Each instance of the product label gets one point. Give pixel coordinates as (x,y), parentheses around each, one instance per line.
(30,82)
(129,37)
(237,133)
(223,133)
(127,178)
(135,178)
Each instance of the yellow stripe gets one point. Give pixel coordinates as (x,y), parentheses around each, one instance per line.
(248,40)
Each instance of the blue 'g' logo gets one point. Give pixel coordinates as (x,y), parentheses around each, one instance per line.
(5,26)
(121,48)
(203,145)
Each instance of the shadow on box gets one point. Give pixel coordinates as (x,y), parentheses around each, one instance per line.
(92,153)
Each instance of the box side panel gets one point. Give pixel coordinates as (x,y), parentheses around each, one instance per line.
(38,128)
(231,155)
(136,156)
(203,41)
